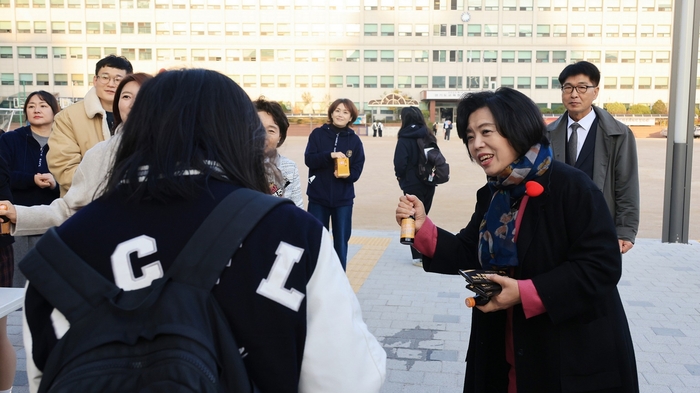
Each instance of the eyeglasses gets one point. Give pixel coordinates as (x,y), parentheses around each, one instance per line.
(568,89)
(105,78)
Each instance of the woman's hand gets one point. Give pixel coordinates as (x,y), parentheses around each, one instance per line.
(509,296)
(338,154)
(10,212)
(410,205)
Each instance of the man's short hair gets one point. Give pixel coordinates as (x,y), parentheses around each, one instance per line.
(113,61)
(274,109)
(580,68)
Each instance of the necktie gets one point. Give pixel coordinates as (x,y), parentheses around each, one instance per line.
(572,145)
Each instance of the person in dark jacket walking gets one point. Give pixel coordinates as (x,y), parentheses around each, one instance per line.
(8,357)
(406,160)
(331,197)
(24,150)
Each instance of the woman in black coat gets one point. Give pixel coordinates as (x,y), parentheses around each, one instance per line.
(558,325)
(406,160)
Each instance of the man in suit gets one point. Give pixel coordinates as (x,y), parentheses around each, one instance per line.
(590,139)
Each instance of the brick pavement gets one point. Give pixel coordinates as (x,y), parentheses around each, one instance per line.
(421,320)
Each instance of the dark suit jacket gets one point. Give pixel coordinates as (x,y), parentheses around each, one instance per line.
(568,246)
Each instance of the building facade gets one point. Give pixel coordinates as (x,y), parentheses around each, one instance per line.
(306,53)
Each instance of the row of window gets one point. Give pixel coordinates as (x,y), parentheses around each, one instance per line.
(371,81)
(367,5)
(335,55)
(336,29)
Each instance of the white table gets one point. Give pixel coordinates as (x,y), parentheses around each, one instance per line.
(11,299)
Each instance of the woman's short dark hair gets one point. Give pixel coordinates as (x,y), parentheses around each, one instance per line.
(44,96)
(517,118)
(349,105)
(190,119)
(139,78)
(274,109)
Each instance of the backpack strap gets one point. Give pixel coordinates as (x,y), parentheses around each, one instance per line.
(211,248)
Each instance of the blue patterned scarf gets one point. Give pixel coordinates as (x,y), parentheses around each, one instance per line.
(497,248)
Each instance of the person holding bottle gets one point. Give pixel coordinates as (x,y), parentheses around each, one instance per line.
(331,197)
(558,324)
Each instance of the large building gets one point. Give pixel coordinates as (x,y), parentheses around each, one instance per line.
(307,53)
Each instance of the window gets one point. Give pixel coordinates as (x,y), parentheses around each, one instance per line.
(555,83)
(524,82)
(474,56)
(386,82)
(163,54)
(559,31)
(196,4)
(58,27)
(473,30)
(59,52)
(474,5)
(404,81)
(612,5)
(387,30)
(127,28)
(352,81)
(267,29)
(490,56)
(370,81)
(301,55)
(509,5)
(213,28)
(39,27)
(456,30)
(611,56)
(145,54)
(23,52)
(284,81)
(610,82)
(235,29)
(661,82)
(578,5)
(179,4)
(629,5)
(23,27)
(335,81)
(129,53)
(198,29)
(542,56)
(629,30)
(387,56)
(508,81)
(267,81)
(232,4)
(39,3)
(541,82)
(576,56)
(371,29)
(559,56)
(370,56)
(647,5)
(422,30)
(644,82)
(160,4)
(60,79)
(144,27)
(490,30)
(352,29)
(162,28)
(108,4)
(335,55)
(181,54)
(508,56)
(7,79)
(335,30)
(456,56)
(524,56)
(664,5)
(109,28)
(612,30)
(663,30)
(439,56)
(472,82)
(405,30)
(251,29)
(92,27)
(645,56)
(440,30)
(438,82)
(284,55)
(318,55)
(179,28)
(249,54)
(595,5)
(42,79)
(233,54)
(421,82)
(646,31)
(594,30)
(626,82)
(405,56)
(5,52)
(577,30)
(18,4)
(75,52)
(593,56)
(509,30)
(41,52)
(57,3)
(543,30)
(143,4)
(77,80)
(525,31)
(663,56)
(352,55)
(267,55)
(454,82)
(250,81)
(627,56)
(490,5)
(544,5)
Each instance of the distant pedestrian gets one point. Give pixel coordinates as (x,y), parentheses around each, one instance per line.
(374,129)
(380,127)
(448,127)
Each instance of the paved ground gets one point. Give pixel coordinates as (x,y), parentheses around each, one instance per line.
(421,319)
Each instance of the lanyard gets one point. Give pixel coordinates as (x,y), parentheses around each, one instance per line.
(335,145)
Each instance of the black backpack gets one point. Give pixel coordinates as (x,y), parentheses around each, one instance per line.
(433,168)
(169,337)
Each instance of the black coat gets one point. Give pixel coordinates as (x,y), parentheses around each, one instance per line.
(406,156)
(568,247)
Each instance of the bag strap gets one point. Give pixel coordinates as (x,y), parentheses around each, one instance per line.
(211,248)
(75,288)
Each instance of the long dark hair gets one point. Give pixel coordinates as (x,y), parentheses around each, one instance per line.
(189,118)
(139,78)
(412,115)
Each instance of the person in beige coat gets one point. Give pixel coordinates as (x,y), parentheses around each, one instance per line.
(83,124)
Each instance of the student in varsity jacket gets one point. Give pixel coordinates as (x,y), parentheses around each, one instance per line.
(331,197)
(284,294)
